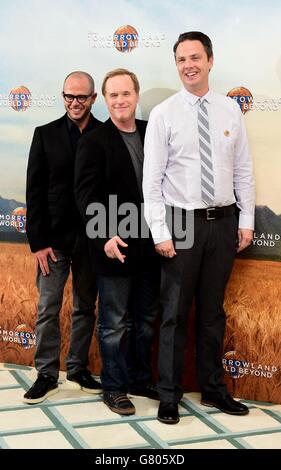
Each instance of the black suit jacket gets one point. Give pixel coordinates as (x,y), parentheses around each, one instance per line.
(104,168)
(52,216)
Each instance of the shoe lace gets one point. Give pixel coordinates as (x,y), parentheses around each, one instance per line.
(119,398)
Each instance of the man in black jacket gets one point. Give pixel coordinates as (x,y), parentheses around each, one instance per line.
(56,236)
(108,177)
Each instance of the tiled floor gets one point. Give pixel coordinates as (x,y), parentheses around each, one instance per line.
(72,419)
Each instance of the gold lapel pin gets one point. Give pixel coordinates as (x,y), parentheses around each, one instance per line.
(226,133)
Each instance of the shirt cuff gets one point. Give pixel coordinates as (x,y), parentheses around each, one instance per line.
(246,221)
(161,234)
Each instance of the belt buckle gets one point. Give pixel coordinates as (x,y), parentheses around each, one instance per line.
(209,217)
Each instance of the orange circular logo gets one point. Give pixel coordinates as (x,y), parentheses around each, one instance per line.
(20,98)
(233,364)
(26,336)
(19,219)
(243,96)
(125,38)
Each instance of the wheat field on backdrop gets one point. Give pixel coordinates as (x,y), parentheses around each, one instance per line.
(252,304)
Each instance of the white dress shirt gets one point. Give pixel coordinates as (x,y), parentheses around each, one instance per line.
(172,170)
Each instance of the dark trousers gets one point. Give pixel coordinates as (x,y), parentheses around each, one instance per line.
(201,271)
(51,288)
(128,306)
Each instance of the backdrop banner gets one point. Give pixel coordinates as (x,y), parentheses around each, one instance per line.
(41,44)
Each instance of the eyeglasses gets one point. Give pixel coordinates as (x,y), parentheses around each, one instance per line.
(80,98)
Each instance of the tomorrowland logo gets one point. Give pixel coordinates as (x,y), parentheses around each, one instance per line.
(243,97)
(125,38)
(20,98)
(19,217)
(23,336)
(236,366)
(232,364)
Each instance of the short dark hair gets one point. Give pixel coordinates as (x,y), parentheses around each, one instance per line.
(115,73)
(196,36)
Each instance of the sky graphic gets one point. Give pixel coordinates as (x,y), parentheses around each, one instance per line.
(42,41)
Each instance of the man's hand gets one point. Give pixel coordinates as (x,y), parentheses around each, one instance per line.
(42,259)
(166,249)
(245,237)
(111,248)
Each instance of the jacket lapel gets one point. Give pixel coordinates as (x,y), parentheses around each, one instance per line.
(141,126)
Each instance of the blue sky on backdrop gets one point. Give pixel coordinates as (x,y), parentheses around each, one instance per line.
(42,41)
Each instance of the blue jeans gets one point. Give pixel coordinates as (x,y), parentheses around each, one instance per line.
(84,292)
(128,306)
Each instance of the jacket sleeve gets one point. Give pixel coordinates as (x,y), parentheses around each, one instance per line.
(89,189)
(36,195)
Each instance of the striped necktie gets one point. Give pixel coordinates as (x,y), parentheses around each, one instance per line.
(207,175)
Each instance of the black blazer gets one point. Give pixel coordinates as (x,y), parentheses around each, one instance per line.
(52,216)
(104,167)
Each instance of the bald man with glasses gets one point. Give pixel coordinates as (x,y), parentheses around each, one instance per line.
(57,238)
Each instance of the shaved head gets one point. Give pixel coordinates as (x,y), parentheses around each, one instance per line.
(78,75)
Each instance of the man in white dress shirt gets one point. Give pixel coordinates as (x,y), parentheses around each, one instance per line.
(198,161)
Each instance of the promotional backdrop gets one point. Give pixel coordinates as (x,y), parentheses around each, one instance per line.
(40,43)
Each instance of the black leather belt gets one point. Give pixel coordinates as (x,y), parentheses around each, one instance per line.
(214,213)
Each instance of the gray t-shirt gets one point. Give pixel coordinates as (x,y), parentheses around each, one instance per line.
(135,148)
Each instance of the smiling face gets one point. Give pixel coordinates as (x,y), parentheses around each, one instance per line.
(121,99)
(79,85)
(193,66)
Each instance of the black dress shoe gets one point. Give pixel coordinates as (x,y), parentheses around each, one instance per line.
(168,413)
(224,404)
(144,390)
(85,381)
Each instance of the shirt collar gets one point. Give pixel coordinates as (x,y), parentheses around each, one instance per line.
(72,127)
(193,99)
